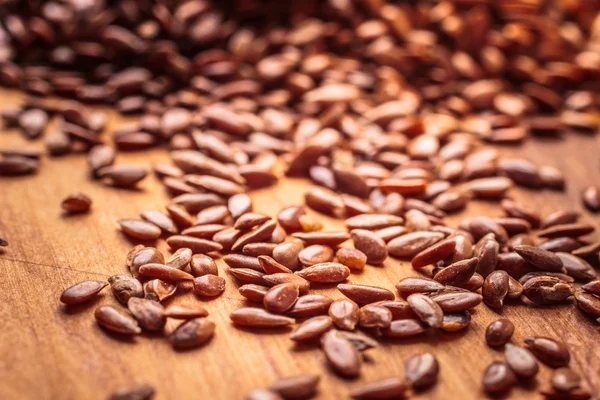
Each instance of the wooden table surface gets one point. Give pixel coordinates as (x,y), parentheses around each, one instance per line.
(49,352)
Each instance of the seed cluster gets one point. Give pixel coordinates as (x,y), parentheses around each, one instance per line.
(391,110)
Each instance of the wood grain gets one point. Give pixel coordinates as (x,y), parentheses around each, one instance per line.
(50,352)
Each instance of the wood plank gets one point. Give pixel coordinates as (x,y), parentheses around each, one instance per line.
(49,353)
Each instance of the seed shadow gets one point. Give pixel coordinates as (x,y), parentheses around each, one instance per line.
(263,331)
(301,347)
(132,189)
(529,384)
(317,285)
(74,309)
(208,299)
(73,215)
(121,337)
(145,243)
(193,348)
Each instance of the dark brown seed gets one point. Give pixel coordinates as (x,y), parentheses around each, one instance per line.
(495,288)
(328,272)
(457,274)
(431,255)
(373,247)
(161,220)
(185,311)
(567,230)
(324,200)
(209,285)
(282,277)
(499,332)
(521,361)
(549,351)
(315,254)
(422,370)
(559,218)
(592,287)
(325,238)
(197,245)
(82,292)
(535,274)
(374,316)
(498,378)
(516,210)
(344,314)
(390,233)
(310,305)
(493,188)
(196,202)
(426,309)
(545,290)
(116,320)
(123,175)
(565,380)
(413,243)
(161,289)
(259,234)
(250,220)
(297,387)
(262,394)
(577,267)
(515,289)
(313,328)
(539,258)
(133,392)
(512,263)
(180,259)
(259,318)
(227,237)
(383,389)
(247,275)
(481,226)
(588,302)
(17,165)
(341,354)
(125,287)
(513,226)
(362,294)
(410,285)
(270,266)
(588,250)
(148,313)
(3,242)
(164,272)
(259,249)
(192,333)
(591,198)
(289,218)
(76,203)
(280,298)
(561,244)
(352,258)
(455,322)
(458,301)
(202,264)
(139,229)
(214,184)
(287,253)
(253,292)
(403,328)
(101,156)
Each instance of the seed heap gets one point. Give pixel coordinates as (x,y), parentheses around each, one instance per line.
(390,109)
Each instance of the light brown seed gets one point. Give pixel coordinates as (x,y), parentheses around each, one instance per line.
(325,238)
(161,220)
(328,272)
(164,272)
(139,229)
(540,258)
(433,254)
(123,175)
(352,258)
(388,388)
(100,156)
(259,249)
(498,378)
(591,198)
(185,311)
(247,275)
(124,287)
(341,354)
(588,302)
(287,253)
(426,309)
(390,233)
(413,243)
(281,277)
(403,328)
(180,216)
(76,203)
(313,328)
(545,290)
(202,264)
(549,351)
(521,361)
(565,380)
(421,370)
(115,320)
(239,204)
(261,233)
(560,217)
(457,274)
(296,387)
(148,313)
(259,318)
(410,285)
(371,245)
(373,221)
(213,184)
(324,200)
(209,285)
(495,289)
(161,289)
(592,287)
(315,254)
(454,322)
(82,292)
(197,245)
(344,314)
(133,392)
(363,294)
(270,266)
(457,301)
(494,188)
(262,394)
(374,316)
(499,332)
(280,298)
(515,289)
(196,202)
(403,186)
(193,333)
(180,259)
(310,305)
(289,218)
(253,292)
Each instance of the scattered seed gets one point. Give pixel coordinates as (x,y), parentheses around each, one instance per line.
(498,378)
(296,387)
(521,361)
(389,388)
(341,354)
(209,285)
(499,332)
(422,370)
(82,292)
(313,328)
(328,272)
(545,290)
(148,313)
(549,351)
(495,289)
(116,320)
(125,287)
(193,333)
(259,318)
(310,305)
(139,229)
(565,380)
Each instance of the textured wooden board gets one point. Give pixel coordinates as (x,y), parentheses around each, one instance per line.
(49,352)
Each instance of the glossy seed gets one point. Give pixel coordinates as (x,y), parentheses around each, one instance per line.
(185,311)
(588,302)
(495,289)
(296,387)
(457,274)
(193,333)
(202,264)
(259,318)
(133,392)
(388,388)
(371,245)
(422,370)
(315,254)
(565,380)
(161,220)
(139,229)
(82,292)
(76,203)
(374,316)
(280,298)
(197,245)
(363,294)
(498,378)
(499,332)
(426,309)
(124,287)
(539,258)
(341,354)
(310,305)
(148,313)
(115,320)
(544,290)
(180,259)
(313,328)
(344,314)
(454,322)
(209,285)
(437,252)
(457,301)
(328,272)
(410,285)
(287,254)
(521,361)
(413,243)
(403,328)
(161,271)
(549,351)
